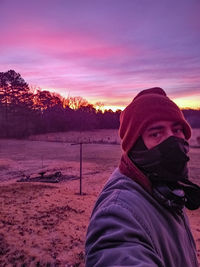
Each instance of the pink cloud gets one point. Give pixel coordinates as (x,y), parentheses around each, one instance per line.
(109,60)
(65,44)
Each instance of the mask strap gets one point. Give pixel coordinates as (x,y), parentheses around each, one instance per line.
(171,198)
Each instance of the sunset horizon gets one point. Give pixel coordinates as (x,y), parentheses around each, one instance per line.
(104,51)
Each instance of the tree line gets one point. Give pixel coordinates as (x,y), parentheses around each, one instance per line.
(25,111)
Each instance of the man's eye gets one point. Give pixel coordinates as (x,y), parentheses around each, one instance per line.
(155,135)
(178,130)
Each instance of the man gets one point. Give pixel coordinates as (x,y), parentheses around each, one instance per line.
(139,217)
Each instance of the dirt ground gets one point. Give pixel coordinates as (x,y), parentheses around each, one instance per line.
(44,224)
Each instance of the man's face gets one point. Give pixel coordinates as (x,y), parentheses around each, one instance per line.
(157,132)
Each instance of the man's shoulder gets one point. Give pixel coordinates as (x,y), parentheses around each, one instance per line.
(122,191)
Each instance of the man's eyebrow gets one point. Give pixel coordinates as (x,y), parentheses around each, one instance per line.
(158,127)
(161,127)
(176,124)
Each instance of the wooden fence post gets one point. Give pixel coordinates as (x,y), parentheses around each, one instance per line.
(81,166)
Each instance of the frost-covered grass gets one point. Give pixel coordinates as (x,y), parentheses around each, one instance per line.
(45,224)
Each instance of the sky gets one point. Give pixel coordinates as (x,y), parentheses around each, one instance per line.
(104,50)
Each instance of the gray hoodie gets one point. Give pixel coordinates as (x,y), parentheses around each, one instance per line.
(128,227)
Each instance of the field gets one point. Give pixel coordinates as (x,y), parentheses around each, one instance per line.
(44,224)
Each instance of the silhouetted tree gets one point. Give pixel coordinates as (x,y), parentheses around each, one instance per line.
(75,102)
(16,101)
(99,106)
(108,119)
(25,111)
(44,100)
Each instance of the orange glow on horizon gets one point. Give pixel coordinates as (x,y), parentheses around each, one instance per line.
(183,103)
(113,108)
(188,102)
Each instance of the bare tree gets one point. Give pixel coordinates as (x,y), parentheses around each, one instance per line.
(75,102)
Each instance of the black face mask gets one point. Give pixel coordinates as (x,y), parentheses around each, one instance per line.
(166,167)
(168,160)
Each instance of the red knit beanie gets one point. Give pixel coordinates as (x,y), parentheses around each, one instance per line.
(147,107)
